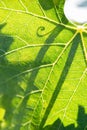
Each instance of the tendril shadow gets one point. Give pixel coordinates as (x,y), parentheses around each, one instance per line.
(40,31)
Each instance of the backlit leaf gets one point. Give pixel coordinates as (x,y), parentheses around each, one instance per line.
(43,67)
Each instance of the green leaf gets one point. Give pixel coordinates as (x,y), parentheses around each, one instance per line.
(43,67)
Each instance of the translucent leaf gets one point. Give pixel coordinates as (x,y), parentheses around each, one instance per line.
(43,67)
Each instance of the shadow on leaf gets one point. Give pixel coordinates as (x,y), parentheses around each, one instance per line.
(14,116)
(63,75)
(81,122)
(15,106)
(58,7)
(33,75)
(5,42)
(46,4)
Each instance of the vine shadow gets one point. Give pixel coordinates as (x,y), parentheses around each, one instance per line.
(15,69)
(54,33)
(63,75)
(46,5)
(81,122)
(13,87)
(9,90)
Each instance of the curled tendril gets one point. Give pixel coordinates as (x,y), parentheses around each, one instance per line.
(40,31)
